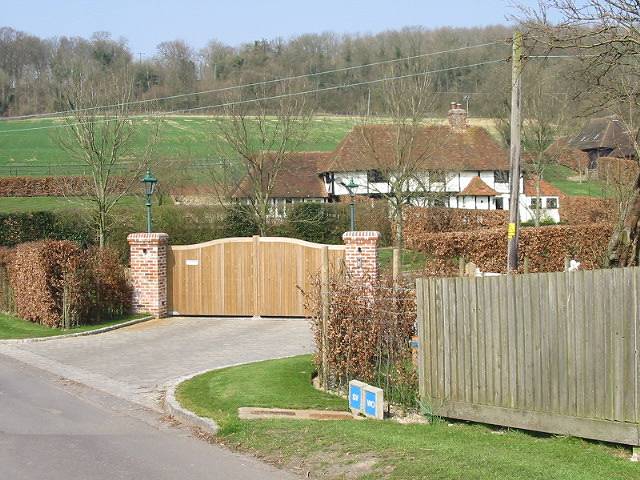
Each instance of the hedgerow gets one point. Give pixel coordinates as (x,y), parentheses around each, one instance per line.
(545,247)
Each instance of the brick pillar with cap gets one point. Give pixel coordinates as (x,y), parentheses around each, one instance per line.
(149,272)
(361,254)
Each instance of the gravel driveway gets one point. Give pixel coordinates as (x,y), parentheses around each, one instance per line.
(136,363)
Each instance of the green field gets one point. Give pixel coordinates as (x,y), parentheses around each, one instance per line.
(195,142)
(41,204)
(370,449)
(196,139)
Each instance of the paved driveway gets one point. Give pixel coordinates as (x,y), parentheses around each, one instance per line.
(136,363)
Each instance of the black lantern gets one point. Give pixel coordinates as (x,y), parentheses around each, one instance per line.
(149,187)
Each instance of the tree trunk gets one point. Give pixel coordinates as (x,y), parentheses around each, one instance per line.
(623,245)
(101,228)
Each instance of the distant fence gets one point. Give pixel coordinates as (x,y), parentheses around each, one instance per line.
(552,352)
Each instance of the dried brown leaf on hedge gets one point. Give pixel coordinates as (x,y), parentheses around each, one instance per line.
(369,328)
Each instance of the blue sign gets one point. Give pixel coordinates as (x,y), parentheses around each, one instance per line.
(355,396)
(370,403)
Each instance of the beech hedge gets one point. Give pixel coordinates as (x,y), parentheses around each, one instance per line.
(58,284)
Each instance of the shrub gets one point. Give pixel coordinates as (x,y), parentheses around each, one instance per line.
(16,228)
(238,222)
(56,283)
(312,222)
(368,333)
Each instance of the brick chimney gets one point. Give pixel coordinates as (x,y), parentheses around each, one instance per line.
(457,117)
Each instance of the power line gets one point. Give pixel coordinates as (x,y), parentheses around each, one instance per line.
(261,99)
(248,85)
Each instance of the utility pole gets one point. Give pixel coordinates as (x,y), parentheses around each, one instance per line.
(516,119)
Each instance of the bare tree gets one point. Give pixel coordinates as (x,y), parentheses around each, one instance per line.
(605,34)
(258,136)
(398,152)
(541,129)
(103,140)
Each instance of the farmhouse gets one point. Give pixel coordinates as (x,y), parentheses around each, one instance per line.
(454,165)
(457,165)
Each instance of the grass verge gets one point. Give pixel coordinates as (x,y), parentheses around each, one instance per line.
(370,449)
(13,328)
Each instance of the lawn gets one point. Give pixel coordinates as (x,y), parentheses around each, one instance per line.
(558,175)
(410,260)
(370,449)
(13,327)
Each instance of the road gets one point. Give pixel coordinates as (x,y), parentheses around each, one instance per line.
(57,429)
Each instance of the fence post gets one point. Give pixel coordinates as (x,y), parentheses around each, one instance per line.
(324,292)
(461,266)
(149,272)
(256,276)
(526,264)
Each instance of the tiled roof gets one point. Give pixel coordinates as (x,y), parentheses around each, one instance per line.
(546,189)
(435,148)
(297,177)
(477,187)
(605,132)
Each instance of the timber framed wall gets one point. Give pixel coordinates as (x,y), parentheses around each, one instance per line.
(254,276)
(551,352)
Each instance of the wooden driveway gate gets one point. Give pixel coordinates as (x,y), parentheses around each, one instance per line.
(245,276)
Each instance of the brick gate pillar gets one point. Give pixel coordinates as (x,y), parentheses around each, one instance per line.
(361,254)
(149,272)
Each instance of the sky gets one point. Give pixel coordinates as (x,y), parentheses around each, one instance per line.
(144,23)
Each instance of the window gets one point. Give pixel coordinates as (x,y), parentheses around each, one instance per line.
(552,203)
(499,203)
(501,176)
(534,202)
(375,176)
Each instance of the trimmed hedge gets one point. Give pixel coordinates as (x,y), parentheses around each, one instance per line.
(49,186)
(424,220)
(58,284)
(545,247)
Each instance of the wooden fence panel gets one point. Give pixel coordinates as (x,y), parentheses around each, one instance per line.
(554,352)
(245,276)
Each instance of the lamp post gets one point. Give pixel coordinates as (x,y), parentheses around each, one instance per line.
(149,187)
(351,186)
